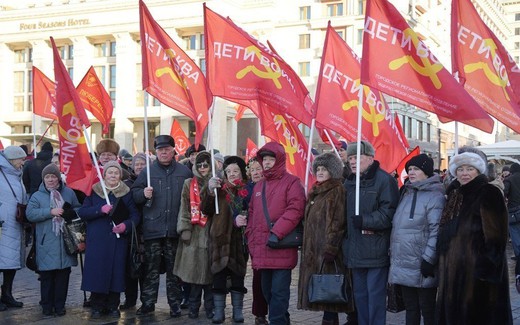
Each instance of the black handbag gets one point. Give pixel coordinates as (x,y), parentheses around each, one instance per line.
(394,294)
(74,235)
(30,262)
(136,258)
(328,288)
(294,239)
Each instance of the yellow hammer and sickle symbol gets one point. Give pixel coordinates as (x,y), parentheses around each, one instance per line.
(289,149)
(371,116)
(267,74)
(169,71)
(494,78)
(427,69)
(69,108)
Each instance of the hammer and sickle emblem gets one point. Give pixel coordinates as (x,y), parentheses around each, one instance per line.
(289,149)
(494,78)
(427,69)
(370,116)
(267,74)
(169,71)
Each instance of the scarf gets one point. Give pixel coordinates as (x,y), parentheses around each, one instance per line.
(56,202)
(197,217)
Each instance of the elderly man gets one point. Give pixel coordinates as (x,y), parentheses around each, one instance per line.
(365,247)
(161,202)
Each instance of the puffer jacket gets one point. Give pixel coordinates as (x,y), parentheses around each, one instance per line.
(379,196)
(50,249)
(160,218)
(414,232)
(286,204)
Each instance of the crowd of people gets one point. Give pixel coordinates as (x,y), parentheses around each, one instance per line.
(440,239)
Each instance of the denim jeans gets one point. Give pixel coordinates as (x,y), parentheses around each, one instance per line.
(276,288)
(370,294)
(514,232)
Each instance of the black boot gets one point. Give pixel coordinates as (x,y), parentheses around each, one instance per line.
(7,290)
(2,306)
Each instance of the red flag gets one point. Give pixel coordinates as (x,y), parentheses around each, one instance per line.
(483,65)
(337,100)
(74,156)
(397,62)
(401,169)
(96,99)
(44,95)
(1,145)
(245,71)
(251,149)
(171,76)
(240,111)
(182,142)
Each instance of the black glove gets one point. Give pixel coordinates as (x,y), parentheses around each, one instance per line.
(427,269)
(272,239)
(357,220)
(328,257)
(68,215)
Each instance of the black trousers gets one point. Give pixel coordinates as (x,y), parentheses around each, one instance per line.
(419,301)
(54,285)
(105,301)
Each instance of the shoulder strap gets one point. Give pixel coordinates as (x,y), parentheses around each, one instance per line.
(266,212)
(8,183)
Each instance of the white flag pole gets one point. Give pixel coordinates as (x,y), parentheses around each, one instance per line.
(309,152)
(210,146)
(332,144)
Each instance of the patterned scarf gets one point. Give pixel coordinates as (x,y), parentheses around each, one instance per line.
(56,202)
(197,217)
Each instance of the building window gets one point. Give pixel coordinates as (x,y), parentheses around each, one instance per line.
(517,16)
(19,82)
(517,59)
(113,48)
(202,42)
(23,55)
(420,131)
(70,55)
(100,50)
(101,73)
(408,127)
(71,73)
(335,9)
(428,130)
(202,65)
(112,76)
(517,45)
(305,41)
(341,33)
(190,42)
(305,13)
(517,31)
(359,39)
(361,7)
(304,69)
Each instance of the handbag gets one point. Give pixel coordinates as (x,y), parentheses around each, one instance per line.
(21,217)
(74,236)
(328,288)
(136,258)
(30,261)
(294,239)
(394,294)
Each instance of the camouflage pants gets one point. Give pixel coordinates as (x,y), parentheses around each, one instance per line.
(153,249)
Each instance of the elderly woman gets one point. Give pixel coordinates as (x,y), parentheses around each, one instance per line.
(138,163)
(228,256)
(324,230)
(192,258)
(105,258)
(49,208)
(413,241)
(473,279)
(12,249)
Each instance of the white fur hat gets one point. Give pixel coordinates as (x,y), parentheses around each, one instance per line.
(468,158)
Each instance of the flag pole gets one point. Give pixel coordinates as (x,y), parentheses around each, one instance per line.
(332,143)
(34,134)
(210,146)
(358,151)
(309,152)
(89,146)
(146,146)
(44,133)
(456,152)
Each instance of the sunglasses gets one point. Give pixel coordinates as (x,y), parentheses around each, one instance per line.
(202,165)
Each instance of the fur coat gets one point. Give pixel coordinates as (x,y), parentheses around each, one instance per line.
(473,284)
(324,230)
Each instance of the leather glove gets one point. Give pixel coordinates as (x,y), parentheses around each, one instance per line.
(427,269)
(119,229)
(328,257)
(106,208)
(213,183)
(357,221)
(272,239)
(68,215)
(186,237)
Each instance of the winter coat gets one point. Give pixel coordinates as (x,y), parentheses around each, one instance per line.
(379,196)
(285,199)
(105,255)
(32,171)
(414,232)
(50,249)
(12,243)
(226,242)
(512,191)
(160,219)
(323,233)
(473,233)
(192,263)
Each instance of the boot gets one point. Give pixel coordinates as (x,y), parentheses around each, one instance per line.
(237,300)
(2,306)
(7,297)
(220,304)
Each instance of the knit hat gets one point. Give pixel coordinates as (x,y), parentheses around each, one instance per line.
(47,146)
(331,162)
(14,152)
(218,157)
(51,169)
(112,163)
(467,158)
(236,160)
(204,156)
(191,149)
(107,145)
(366,149)
(343,144)
(423,162)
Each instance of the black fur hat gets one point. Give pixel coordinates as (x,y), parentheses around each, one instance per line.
(331,162)
(236,160)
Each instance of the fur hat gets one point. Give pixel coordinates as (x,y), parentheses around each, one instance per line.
(112,163)
(515,168)
(468,158)
(107,145)
(51,169)
(366,149)
(331,162)
(191,149)
(236,160)
(14,152)
(423,162)
(203,156)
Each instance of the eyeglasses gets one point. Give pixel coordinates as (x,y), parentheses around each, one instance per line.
(202,165)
